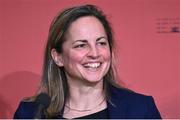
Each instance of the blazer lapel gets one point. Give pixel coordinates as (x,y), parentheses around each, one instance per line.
(116,106)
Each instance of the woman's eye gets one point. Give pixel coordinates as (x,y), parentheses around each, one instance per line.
(80,46)
(102,43)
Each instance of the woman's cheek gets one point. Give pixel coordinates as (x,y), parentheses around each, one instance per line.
(106,54)
(77,56)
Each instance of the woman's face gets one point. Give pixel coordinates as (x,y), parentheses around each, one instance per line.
(85,53)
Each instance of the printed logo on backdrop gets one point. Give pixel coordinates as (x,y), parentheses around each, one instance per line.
(168,25)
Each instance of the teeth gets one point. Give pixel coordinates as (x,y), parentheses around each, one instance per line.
(92,65)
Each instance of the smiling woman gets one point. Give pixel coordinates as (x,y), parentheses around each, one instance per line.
(86,52)
(78,72)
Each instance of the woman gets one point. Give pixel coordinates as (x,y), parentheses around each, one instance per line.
(79,75)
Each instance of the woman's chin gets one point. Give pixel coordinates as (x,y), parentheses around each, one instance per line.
(92,79)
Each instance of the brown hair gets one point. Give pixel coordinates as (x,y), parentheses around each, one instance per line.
(54,79)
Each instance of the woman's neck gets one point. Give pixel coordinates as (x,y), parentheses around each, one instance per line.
(85,96)
(84,100)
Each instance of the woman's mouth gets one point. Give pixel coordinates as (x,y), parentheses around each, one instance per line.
(92,65)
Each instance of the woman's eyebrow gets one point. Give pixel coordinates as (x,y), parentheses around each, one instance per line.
(84,41)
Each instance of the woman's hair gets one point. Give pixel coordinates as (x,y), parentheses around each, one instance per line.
(54,81)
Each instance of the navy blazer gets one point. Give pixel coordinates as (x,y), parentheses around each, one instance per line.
(124,104)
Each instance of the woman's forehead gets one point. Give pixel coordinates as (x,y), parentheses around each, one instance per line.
(86,27)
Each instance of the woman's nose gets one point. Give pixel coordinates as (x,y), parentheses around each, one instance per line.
(93,52)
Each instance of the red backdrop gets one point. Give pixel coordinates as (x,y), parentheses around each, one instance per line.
(148,61)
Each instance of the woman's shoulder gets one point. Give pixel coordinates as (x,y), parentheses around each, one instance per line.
(26,109)
(135,104)
(131,98)
(124,93)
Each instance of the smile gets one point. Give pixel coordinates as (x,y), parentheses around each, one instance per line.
(92,65)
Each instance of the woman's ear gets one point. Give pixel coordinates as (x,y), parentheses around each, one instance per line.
(56,57)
